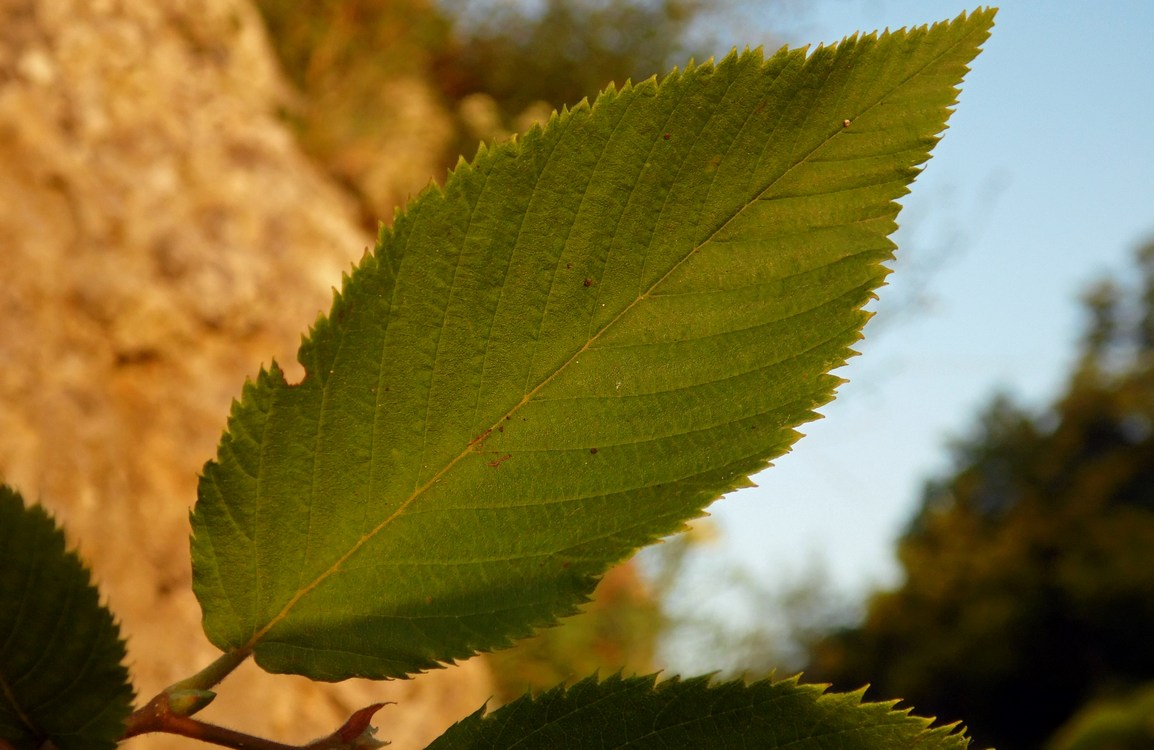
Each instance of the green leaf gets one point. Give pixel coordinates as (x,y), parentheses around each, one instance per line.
(635,713)
(586,337)
(61,673)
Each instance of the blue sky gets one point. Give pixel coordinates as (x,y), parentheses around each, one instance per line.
(1043,183)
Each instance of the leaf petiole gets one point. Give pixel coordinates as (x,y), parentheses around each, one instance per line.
(211,675)
(171,712)
(182,699)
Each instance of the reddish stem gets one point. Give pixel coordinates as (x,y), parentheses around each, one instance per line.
(157,716)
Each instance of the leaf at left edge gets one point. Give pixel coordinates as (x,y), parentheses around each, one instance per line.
(635,712)
(62,677)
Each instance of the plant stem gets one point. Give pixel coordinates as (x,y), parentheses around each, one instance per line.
(158,716)
(158,713)
(186,726)
(208,677)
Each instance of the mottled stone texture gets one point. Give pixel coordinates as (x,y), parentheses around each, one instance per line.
(161,236)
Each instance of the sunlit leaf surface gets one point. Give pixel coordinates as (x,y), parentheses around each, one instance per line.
(585,338)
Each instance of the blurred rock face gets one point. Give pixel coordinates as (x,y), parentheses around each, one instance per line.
(161,236)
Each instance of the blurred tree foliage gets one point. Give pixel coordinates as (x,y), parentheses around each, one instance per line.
(564,50)
(362,107)
(1029,571)
(616,632)
(390,92)
(721,617)
(1122,723)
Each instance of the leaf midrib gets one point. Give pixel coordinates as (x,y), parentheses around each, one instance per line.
(259,634)
(10,699)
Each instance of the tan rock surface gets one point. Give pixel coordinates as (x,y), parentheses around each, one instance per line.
(160,237)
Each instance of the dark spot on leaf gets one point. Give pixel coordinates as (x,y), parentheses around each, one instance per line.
(593,451)
(565,565)
(588,282)
(667,136)
(497,462)
(568,266)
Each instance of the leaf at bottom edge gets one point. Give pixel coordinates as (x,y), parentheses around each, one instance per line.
(639,712)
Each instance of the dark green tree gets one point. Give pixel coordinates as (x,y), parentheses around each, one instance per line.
(1029,569)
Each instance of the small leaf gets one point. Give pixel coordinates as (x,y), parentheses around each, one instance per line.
(585,338)
(359,732)
(635,713)
(61,673)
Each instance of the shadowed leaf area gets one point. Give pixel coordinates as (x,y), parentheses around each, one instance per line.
(61,677)
(584,338)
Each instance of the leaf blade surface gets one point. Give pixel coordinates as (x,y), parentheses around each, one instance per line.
(582,340)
